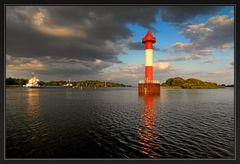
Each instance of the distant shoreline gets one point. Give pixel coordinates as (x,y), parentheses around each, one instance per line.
(16,82)
(178,87)
(19,86)
(165,87)
(177,83)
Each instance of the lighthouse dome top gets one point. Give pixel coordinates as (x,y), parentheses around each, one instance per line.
(149,37)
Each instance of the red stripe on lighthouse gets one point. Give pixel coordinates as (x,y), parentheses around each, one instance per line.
(148,73)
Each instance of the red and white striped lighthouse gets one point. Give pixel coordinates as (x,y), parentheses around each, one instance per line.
(149,85)
(148,40)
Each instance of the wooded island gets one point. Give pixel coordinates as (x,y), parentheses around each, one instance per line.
(191,83)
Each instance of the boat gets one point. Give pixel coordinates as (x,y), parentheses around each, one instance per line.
(68,85)
(32,83)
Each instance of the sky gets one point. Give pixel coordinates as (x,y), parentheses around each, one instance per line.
(104,42)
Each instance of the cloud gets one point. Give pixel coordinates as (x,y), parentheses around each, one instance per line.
(222,34)
(211,61)
(124,73)
(55,68)
(80,41)
(79,32)
(39,20)
(98,61)
(188,48)
(162,65)
(232,63)
(73,42)
(217,32)
(219,20)
(24,64)
(182,47)
(180,58)
(136,46)
(205,52)
(131,74)
(180,14)
(195,31)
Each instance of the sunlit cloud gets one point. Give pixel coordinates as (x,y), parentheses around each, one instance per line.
(162,65)
(31,64)
(180,58)
(220,20)
(44,25)
(98,61)
(211,61)
(216,32)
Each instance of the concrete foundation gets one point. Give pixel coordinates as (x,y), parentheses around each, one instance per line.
(148,88)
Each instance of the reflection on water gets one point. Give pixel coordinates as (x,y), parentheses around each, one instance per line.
(69,93)
(37,129)
(147,133)
(32,100)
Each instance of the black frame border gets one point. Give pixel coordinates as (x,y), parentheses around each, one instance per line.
(122,2)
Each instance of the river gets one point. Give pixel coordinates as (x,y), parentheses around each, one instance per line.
(118,123)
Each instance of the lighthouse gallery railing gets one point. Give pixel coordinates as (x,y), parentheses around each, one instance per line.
(149,81)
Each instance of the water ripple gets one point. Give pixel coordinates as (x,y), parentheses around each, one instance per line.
(116,123)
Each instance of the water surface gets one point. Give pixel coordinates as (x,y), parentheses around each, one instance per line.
(117,123)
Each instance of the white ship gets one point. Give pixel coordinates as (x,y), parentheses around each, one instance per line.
(68,85)
(32,83)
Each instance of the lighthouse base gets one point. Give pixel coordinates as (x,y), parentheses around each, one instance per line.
(148,88)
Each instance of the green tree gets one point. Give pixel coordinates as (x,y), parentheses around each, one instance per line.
(177,81)
(169,82)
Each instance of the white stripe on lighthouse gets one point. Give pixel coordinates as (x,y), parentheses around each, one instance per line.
(148,57)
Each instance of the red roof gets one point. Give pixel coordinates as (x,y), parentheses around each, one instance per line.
(149,37)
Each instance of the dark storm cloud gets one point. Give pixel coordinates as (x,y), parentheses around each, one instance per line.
(104,27)
(121,14)
(180,14)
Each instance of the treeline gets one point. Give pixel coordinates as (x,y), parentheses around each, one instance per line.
(15,81)
(96,83)
(85,83)
(191,83)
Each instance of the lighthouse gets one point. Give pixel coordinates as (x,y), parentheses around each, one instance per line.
(149,85)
